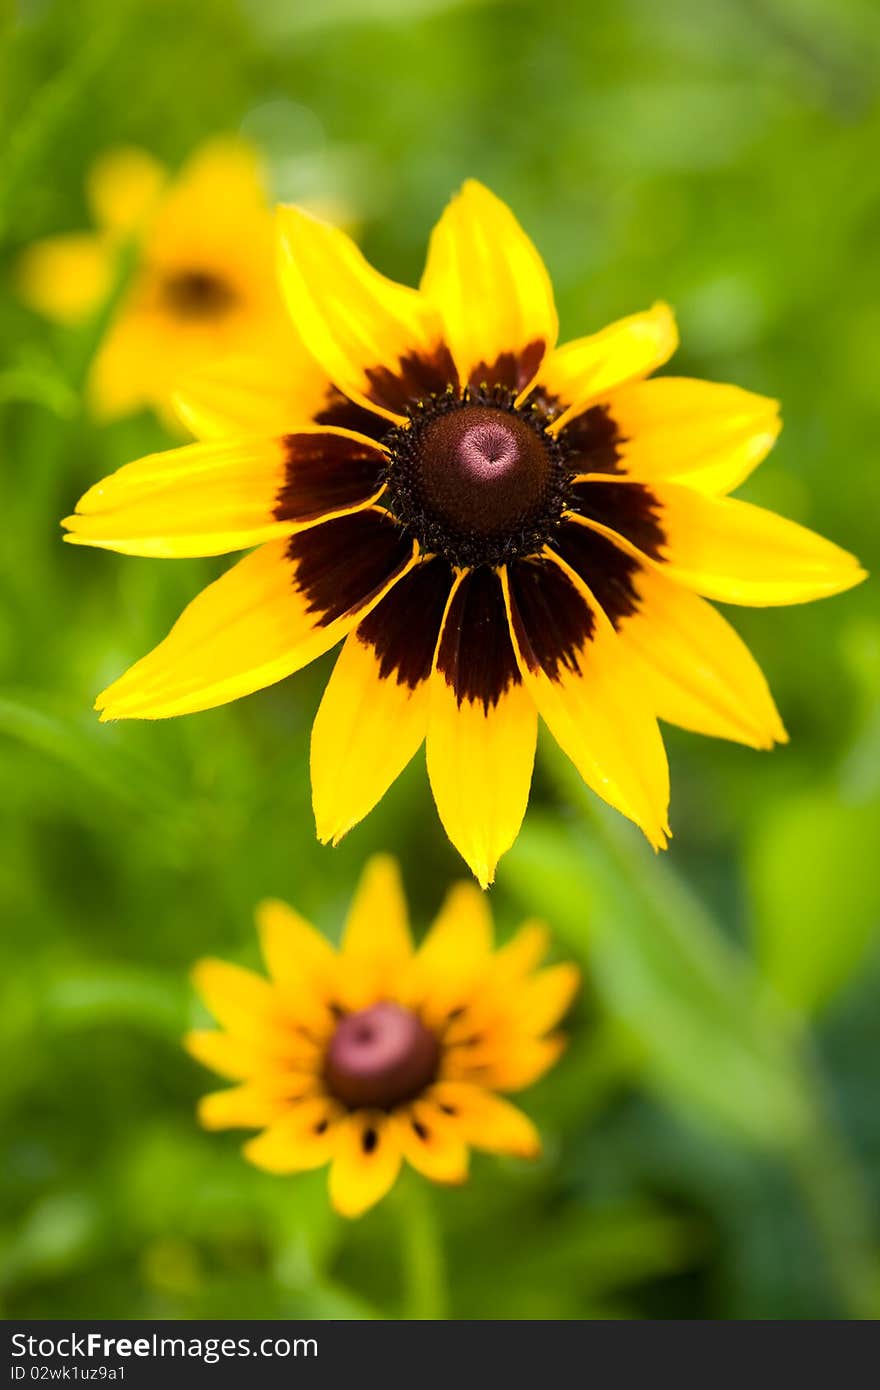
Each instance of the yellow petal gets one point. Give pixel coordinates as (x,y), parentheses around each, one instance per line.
(590,697)
(208,499)
(482,727)
(460,938)
(225,168)
(525,949)
(480,768)
(739,553)
(586,370)
(248,629)
(708,435)
(374,713)
(544,998)
(376,944)
(66,277)
(204,499)
(225,164)
(236,1058)
(302,963)
(241,1001)
(121,379)
(504,1063)
(270,393)
(486,1121)
(377,340)
(501,1011)
(430,1144)
(697,671)
(303,1138)
(214,209)
(365,732)
(366,1163)
(492,290)
(453,957)
(249,1106)
(123,188)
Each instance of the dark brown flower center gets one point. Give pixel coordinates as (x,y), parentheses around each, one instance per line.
(380,1057)
(482,470)
(475,479)
(197,294)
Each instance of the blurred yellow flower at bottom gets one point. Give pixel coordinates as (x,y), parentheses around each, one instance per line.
(381,1053)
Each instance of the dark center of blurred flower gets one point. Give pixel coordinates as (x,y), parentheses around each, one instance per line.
(475,479)
(380,1057)
(197,294)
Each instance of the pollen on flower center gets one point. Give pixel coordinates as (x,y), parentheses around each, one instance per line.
(475,479)
(197,294)
(380,1057)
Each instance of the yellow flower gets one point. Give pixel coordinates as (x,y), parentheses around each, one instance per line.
(497,527)
(204,285)
(377,1053)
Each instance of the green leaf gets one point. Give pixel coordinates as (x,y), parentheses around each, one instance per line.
(88,750)
(94,993)
(714,1044)
(811,867)
(39,383)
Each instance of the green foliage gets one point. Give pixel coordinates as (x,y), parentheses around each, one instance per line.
(813,926)
(711,1137)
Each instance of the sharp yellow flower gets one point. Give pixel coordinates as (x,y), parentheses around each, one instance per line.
(204,284)
(498,527)
(377,1053)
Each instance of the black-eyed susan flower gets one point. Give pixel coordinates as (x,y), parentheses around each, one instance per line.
(497,527)
(204,282)
(378,1053)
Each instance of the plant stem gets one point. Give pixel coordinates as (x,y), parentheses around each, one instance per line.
(422,1258)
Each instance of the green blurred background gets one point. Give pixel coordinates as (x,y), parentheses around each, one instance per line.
(713,1135)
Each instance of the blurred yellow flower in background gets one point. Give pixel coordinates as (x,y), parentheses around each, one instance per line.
(203,285)
(68,277)
(378,1053)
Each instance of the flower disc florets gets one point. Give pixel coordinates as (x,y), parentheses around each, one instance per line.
(475,478)
(380,1057)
